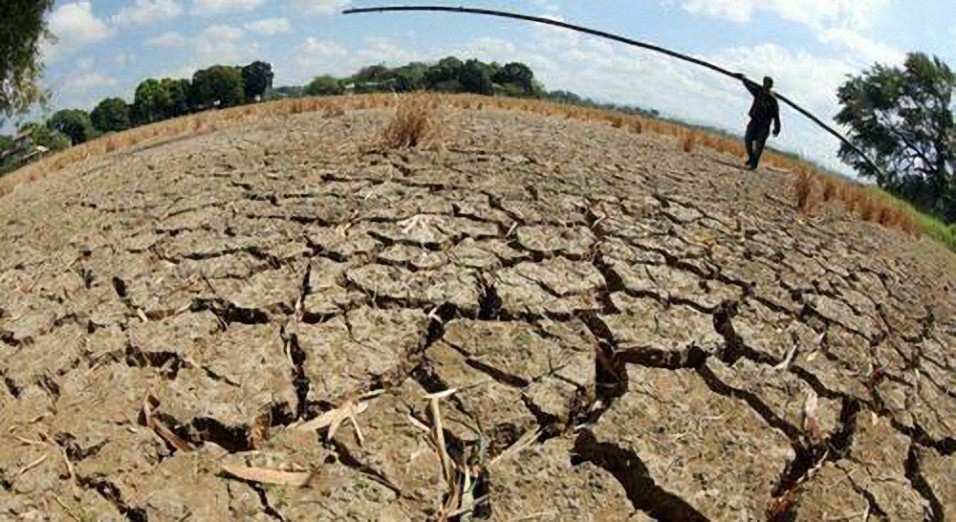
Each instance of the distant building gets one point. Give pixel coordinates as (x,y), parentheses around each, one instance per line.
(22,150)
(22,144)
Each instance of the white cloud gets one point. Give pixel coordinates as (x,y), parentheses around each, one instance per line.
(123,59)
(170,39)
(312,58)
(547,6)
(321,7)
(223,44)
(74,26)
(866,51)
(214,7)
(323,48)
(87,80)
(489,48)
(145,12)
(814,13)
(383,50)
(269,26)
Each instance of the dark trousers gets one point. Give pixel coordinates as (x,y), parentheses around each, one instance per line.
(755,139)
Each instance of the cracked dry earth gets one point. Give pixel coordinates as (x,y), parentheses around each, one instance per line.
(689,346)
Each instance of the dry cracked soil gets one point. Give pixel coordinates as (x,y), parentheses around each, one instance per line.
(687,346)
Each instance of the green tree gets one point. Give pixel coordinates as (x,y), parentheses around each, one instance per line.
(446,70)
(75,124)
(219,84)
(256,80)
(110,115)
(515,73)
(372,73)
(176,97)
(902,118)
(22,30)
(410,77)
(323,86)
(149,102)
(475,77)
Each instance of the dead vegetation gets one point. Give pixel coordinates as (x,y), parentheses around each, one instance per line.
(690,141)
(420,121)
(803,187)
(813,188)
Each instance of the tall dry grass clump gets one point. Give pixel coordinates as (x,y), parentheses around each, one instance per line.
(419,122)
(830,189)
(690,141)
(803,187)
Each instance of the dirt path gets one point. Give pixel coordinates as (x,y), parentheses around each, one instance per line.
(689,347)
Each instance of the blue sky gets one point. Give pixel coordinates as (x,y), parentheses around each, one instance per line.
(105,47)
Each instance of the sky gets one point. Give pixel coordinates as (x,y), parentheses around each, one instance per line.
(106,47)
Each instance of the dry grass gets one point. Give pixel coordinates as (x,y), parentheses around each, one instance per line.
(803,188)
(829,188)
(690,141)
(419,121)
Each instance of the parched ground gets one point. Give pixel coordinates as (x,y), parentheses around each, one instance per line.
(689,346)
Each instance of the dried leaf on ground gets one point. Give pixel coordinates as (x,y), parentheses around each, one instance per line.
(268,476)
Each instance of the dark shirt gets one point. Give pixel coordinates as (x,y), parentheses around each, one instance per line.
(765,108)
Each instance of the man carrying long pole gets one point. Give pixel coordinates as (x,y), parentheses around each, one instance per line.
(628,41)
(764,111)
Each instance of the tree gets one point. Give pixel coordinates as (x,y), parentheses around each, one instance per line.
(22,30)
(372,73)
(515,73)
(446,70)
(74,124)
(902,119)
(323,86)
(149,102)
(256,79)
(411,77)
(110,115)
(475,77)
(175,97)
(219,83)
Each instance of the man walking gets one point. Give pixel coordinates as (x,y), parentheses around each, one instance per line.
(763,112)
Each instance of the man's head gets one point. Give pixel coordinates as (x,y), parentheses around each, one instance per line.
(767,83)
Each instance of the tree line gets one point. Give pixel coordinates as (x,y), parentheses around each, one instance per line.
(219,86)
(155,100)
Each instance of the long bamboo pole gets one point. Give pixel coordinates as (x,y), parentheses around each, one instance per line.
(621,39)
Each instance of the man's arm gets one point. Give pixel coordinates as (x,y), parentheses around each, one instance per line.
(751,86)
(776,118)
